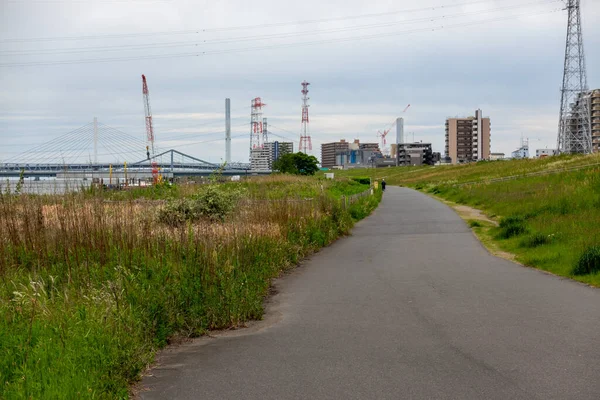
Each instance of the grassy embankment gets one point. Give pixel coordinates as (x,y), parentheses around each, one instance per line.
(550,221)
(90,288)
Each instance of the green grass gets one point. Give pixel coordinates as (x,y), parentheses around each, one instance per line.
(90,290)
(346,188)
(548,221)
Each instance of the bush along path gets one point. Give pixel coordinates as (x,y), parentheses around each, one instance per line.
(90,288)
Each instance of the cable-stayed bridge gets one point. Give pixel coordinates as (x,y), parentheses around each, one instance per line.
(96,147)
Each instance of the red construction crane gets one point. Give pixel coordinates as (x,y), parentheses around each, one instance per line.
(383,135)
(149,130)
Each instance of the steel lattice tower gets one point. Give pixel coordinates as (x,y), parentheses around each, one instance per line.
(305,139)
(256,124)
(265,131)
(574,131)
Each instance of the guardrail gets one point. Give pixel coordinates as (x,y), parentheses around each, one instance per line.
(349,200)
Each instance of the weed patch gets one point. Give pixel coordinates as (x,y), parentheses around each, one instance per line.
(363,180)
(589,262)
(535,240)
(512,226)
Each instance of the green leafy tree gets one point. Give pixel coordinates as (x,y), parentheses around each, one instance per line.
(297,164)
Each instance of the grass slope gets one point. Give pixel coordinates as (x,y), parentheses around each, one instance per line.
(551,222)
(90,289)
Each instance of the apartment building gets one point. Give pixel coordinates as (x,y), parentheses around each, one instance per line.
(414,154)
(468,139)
(259,160)
(329,150)
(278,149)
(262,159)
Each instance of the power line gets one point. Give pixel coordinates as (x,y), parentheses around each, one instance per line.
(80,50)
(240,27)
(285,45)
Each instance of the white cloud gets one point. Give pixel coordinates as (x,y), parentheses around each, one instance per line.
(511,69)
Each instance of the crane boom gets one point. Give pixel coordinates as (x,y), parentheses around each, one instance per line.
(383,135)
(149,130)
(148,112)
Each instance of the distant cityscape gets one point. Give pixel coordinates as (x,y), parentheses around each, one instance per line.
(467,139)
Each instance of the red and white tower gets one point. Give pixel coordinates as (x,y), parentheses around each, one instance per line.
(305,140)
(256,124)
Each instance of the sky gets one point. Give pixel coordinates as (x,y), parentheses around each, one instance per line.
(64,62)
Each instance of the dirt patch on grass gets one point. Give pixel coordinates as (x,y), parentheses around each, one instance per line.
(469,213)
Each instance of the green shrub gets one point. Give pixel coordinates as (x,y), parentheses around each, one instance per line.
(475,224)
(512,226)
(363,180)
(535,240)
(216,203)
(589,261)
(213,202)
(178,211)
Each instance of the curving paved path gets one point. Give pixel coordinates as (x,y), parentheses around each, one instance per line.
(409,307)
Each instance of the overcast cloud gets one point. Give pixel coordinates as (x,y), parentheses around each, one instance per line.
(510,67)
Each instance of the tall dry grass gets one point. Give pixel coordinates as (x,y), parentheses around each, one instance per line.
(90,288)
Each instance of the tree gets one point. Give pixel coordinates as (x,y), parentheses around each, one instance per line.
(296,164)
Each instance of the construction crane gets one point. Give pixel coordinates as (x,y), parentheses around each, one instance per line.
(149,130)
(383,135)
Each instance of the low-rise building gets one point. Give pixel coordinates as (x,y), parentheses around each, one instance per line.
(523,151)
(411,154)
(497,156)
(542,153)
(345,155)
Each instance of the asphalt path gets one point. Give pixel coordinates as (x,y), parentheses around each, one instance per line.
(411,306)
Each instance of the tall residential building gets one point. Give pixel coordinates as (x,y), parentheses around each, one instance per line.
(259,160)
(595,119)
(278,149)
(328,151)
(468,139)
(262,159)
